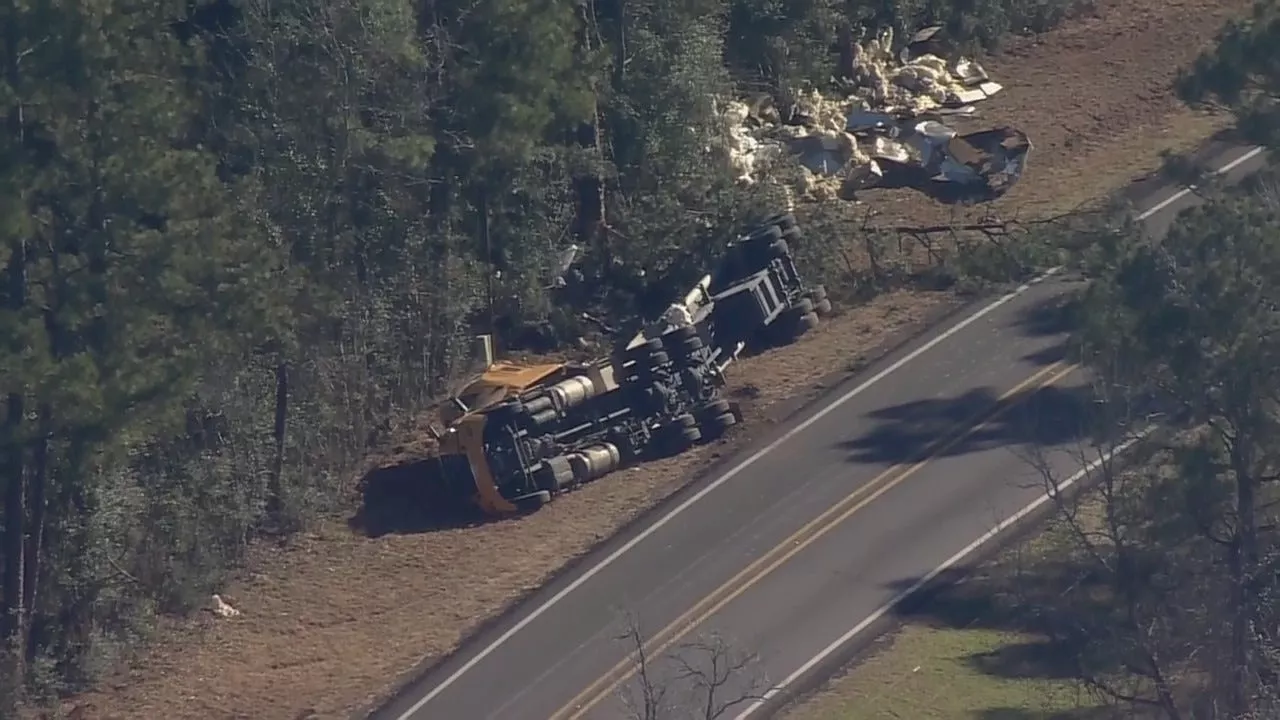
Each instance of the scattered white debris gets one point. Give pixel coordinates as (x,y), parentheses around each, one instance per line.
(222,609)
(889,123)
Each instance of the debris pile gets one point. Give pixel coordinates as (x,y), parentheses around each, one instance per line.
(887,130)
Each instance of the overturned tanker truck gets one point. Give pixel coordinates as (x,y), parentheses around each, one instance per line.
(517,436)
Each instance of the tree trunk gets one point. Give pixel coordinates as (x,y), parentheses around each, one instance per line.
(589,221)
(491,258)
(14,469)
(37,505)
(11,641)
(1242,560)
(275,487)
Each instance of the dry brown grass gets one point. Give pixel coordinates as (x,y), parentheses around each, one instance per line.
(331,620)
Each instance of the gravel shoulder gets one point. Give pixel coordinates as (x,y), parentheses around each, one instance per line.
(335,618)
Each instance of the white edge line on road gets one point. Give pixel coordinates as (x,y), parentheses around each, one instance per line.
(999,528)
(946,565)
(751,459)
(1251,154)
(729,475)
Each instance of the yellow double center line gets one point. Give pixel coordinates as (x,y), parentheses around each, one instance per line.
(801,539)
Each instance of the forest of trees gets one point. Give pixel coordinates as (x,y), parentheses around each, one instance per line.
(1165,599)
(241,240)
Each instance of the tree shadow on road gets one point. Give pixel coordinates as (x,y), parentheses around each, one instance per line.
(1054,316)
(912,431)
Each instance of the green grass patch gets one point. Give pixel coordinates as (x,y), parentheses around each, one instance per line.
(931,673)
(968,653)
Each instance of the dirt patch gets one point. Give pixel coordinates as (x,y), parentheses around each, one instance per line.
(331,619)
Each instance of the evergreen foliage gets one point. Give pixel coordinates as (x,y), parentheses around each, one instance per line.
(242,239)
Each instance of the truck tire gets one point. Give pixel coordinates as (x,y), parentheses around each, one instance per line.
(684,438)
(793,236)
(679,333)
(803,324)
(715,426)
(533,502)
(555,475)
(684,421)
(657,358)
(643,350)
(800,307)
(816,294)
(690,345)
(763,234)
(783,221)
(546,417)
(822,308)
(713,408)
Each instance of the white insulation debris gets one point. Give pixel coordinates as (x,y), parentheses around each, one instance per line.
(890,129)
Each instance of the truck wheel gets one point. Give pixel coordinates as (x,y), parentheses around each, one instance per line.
(803,324)
(793,236)
(688,346)
(763,234)
(713,408)
(658,358)
(803,306)
(545,417)
(647,347)
(679,332)
(533,502)
(783,221)
(715,426)
(555,475)
(684,421)
(685,438)
(817,294)
(822,307)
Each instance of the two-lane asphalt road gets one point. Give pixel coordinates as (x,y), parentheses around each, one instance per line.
(802,540)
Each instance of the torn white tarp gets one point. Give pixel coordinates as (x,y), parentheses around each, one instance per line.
(888,122)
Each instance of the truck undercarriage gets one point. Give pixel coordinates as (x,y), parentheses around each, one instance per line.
(658,394)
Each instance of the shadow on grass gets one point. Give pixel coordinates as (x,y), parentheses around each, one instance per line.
(410,497)
(1022,714)
(909,432)
(1025,598)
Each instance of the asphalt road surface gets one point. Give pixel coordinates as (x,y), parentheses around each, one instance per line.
(809,537)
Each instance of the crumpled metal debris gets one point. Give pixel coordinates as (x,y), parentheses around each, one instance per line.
(887,130)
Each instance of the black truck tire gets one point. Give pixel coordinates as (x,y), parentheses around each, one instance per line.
(533,502)
(712,408)
(555,475)
(680,434)
(763,234)
(783,221)
(690,345)
(800,307)
(679,333)
(715,426)
(803,324)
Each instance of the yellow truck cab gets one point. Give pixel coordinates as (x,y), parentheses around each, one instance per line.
(464,417)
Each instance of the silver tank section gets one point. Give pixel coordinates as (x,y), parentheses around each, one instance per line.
(572,392)
(594,461)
